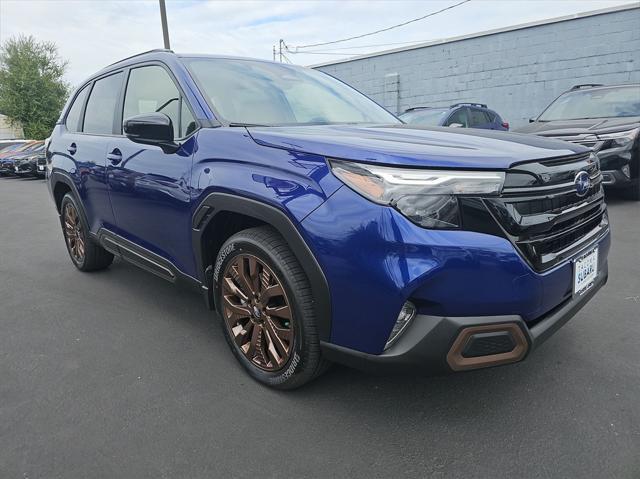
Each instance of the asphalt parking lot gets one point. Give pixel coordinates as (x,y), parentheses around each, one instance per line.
(120,374)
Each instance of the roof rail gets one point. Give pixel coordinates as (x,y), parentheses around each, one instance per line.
(585,85)
(417,108)
(143,53)
(480,105)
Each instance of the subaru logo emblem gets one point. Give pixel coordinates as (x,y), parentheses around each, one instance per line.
(582,183)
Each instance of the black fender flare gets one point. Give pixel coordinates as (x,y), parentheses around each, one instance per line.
(217,202)
(57,177)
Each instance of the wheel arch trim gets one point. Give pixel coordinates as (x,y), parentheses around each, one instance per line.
(218,202)
(57,177)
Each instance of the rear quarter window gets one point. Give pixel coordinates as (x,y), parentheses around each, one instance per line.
(73,117)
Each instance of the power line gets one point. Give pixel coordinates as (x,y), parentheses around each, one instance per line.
(381,30)
(369,46)
(315,52)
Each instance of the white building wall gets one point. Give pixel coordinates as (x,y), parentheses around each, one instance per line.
(516,72)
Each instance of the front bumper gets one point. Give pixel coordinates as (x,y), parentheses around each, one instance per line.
(617,179)
(375,259)
(429,343)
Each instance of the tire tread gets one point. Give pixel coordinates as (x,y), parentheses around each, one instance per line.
(270,239)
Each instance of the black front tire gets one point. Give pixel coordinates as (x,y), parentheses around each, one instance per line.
(269,247)
(94,257)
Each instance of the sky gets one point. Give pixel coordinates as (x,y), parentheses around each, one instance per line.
(91,34)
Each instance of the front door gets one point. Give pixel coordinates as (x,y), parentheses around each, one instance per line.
(149,189)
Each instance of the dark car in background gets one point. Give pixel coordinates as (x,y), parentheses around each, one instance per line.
(7,155)
(461,115)
(31,162)
(604,118)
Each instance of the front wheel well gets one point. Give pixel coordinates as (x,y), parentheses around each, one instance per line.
(221,227)
(234,214)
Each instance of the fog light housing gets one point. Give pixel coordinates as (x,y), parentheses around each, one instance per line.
(407,313)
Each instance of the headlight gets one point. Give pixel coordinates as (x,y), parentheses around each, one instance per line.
(619,139)
(427,197)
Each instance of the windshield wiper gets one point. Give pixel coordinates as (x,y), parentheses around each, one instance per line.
(245,124)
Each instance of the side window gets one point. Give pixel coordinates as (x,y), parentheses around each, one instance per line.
(151,89)
(101,107)
(477,118)
(459,116)
(73,116)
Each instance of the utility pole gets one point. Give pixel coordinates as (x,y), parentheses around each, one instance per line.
(274,53)
(165,28)
(281,44)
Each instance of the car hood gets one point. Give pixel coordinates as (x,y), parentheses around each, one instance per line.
(412,145)
(581,127)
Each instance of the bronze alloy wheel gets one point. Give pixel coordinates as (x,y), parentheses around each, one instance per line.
(257,312)
(73,233)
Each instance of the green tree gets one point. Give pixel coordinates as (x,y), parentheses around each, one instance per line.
(32,91)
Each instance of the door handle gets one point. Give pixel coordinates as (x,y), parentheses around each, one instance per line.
(115,156)
(72,148)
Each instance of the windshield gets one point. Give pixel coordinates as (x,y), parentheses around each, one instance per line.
(431,116)
(32,147)
(35,148)
(596,103)
(262,93)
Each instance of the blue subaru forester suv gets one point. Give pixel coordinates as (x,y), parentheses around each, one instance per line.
(317,225)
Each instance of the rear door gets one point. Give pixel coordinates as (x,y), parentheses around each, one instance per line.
(150,189)
(89,126)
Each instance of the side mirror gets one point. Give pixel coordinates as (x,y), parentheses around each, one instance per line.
(456,125)
(151,129)
(532,120)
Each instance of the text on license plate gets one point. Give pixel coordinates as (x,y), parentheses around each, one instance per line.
(585,270)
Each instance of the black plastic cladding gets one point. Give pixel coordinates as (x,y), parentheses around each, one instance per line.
(216,203)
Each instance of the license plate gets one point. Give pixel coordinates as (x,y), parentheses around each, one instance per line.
(585,270)
(17,169)
(41,168)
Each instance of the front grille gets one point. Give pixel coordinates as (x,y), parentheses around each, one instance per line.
(543,216)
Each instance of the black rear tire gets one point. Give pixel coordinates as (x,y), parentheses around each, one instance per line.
(265,247)
(92,256)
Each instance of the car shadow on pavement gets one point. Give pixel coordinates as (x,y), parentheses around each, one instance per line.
(458,396)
